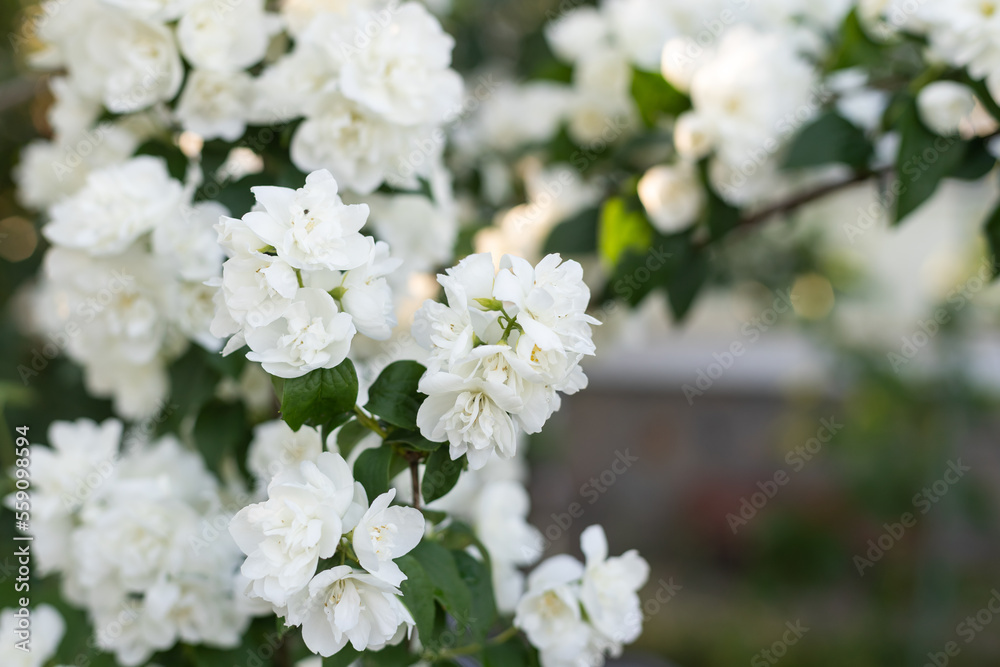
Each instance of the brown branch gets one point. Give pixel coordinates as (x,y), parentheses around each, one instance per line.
(415,480)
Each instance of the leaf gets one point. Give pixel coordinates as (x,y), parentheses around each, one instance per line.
(982,92)
(316,397)
(372,470)
(412,440)
(175,160)
(829,140)
(440,475)
(575,236)
(394,396)
(621,229)
(342,658)
(418,596)
(856,47)
(509,654)
(976,163)
(390,656)
(477,578)
(924,160)
(992,231)
(350,435)
(719,216)
(655,97)
(686,281)
(449,587)
(219,431)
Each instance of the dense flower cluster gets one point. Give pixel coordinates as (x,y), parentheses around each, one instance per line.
(132,531)
(501,351)
(301,279)
(124,282)
(310,509)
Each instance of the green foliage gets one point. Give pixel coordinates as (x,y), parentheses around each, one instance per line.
(575,236)
(221,431)
(350,435)
(394,396)
(373,468)
(655,97)
(992,231)
(440,475)
(622,229)
(320,397)
(829,140)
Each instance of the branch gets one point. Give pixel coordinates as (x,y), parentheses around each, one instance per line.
(415,480)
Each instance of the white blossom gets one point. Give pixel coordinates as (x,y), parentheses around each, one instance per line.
(385,533)
(943,105)
(672,195)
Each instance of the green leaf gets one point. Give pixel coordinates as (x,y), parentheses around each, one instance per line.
(440,475)
(509,654)
(655,97)
(418,596)
(316,397)
(992,231)
(976,163)
(924,160)
(575,236)
(829,140)
(477,578)
(390,656)
(686,282)
(342,658)
(412,440)
(621,230)
(719,216)
(856,47)
(174,159)
(372,470)
(982,92)
(448,585)
(219,431)
(350,435)
(394,396)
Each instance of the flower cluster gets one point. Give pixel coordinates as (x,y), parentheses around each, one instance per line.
(123,290)
(34,648)
(133,532)
(500,351)
(301,279)
(373,83)
(312,512)
(574,613)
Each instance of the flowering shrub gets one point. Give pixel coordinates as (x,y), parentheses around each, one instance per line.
(267,248)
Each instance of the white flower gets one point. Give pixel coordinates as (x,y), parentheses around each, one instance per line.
(964,32)
(256,290)
(501,520)
(157,10)
(693,136)
(359,148)
(275,447)
(471,414)
(189,240)
(310,333)
(225,37)
(116,206)
(610,588)
(520,114)
(73,112)
(679,61)
(367,297)
(311,228)
(294,85)
(577,32)
(642,27)
(128,62)
(215,104)
(420,231)
(307,511)
(30,648)
(385,533)
(943,105)
(299,14)
(672,195)
(395,63)
(344,605)
(549,612)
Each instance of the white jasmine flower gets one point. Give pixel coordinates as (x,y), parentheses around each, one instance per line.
(549,612)
(310,333)
(275,447)
(215,105)
(189,240)
(385,533)
(418,230)
(693,136)
(256,290)
(672,195)
(610,588)
(311,228)
(367,297)
(307,511)
(577,32)
(943,105)
(224,37)
(157,10)
(400,70)
(501,520)
(344,605)
(116,206)
(471,414)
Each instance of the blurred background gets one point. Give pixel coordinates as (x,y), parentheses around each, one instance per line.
(763,456)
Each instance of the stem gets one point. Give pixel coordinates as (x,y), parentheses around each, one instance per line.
(282,657)
(503,636)
(415,481)
(475,648)
(369,422)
